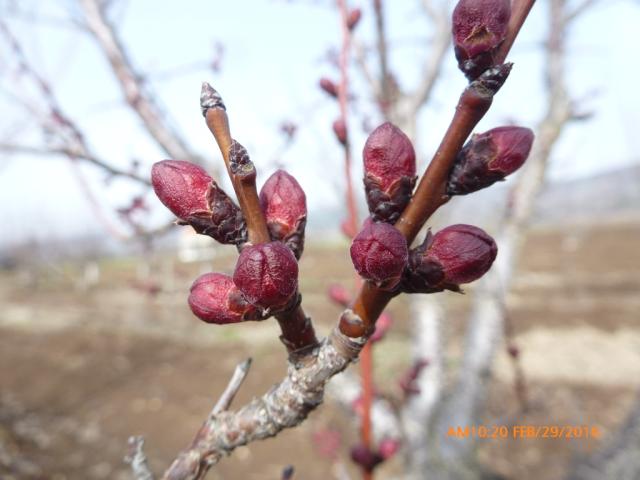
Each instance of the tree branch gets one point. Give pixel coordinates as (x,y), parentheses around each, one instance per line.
(140,101)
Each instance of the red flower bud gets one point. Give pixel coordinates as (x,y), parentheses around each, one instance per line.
(388,447)
(181,186)
(383,324)
(285,207)
(192,195)
(379,253)
(340,129)
(479,27)
(329,86)
(267,275)
(354,18)
(339,295)
(215,299)
(365,457)
(389,172)
(488,158)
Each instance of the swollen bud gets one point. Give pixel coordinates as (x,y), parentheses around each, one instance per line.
(285,207)
(267,275)
(340,129)
(214,298)
(488,158)
(455,255)
(479,27)
(329,87)
(379,253)
(181,186)
(389,172)
(197,200)
(365,457)
(354,18)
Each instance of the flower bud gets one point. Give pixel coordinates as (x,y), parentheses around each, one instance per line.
(488,158)
(383,324)
(479,27)
(267,275)
(354,18)
(365,457)
(389,172)
(388,447)
(339,295)
(379,253)
(340,129)
(329,87)
(455,255)
(214,298)
(192,195)
(285,207)
(181,186)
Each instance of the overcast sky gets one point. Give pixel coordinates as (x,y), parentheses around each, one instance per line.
(275,52)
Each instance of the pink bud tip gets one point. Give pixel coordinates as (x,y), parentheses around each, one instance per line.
(339,295)
(329,86)
(181,186)
(340,129)
(379,253)
(389,155)
(354,18)
(285,207)
(388,447)
(267,275)
(464,252)
(215,299)
(479,27)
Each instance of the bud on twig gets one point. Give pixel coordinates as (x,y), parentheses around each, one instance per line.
(455,255)
(329,87)
(389,172)
(479,27)
(354,18)
(192,195)
(214,298)
(339,295)
(488,158)
(379,253)
(285,208)
(340,129)
(267,275)
(383,324)
(365,457)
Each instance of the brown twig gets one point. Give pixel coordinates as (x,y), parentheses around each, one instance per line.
(296,327)
(239,374)
(430,193)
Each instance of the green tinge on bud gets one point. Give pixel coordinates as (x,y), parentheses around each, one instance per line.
(489,157)
(479,27)
(389,172)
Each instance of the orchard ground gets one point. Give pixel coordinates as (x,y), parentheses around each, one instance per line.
(82,368)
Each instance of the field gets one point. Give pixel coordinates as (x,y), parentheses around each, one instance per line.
(83,367)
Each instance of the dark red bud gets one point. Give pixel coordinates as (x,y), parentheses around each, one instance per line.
(479,27)
(285,207)
(463,252)
(354,18)
(339,295)
(383,324)
(340,129)
(513,351)
(379,253)
(181,186)
(329,86)
(489,157)
(267,275)
(214,298)
(389,172)
(365,457)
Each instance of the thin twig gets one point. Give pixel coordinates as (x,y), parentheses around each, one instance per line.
(239,374)
(138,460)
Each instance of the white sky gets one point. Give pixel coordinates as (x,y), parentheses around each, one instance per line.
(273,60)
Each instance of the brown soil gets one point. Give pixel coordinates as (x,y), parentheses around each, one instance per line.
(82,368)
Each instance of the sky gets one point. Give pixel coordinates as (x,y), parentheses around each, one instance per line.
(275,52)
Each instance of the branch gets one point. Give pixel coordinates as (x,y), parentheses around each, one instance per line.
(138,460)
(140,101)
(239,374)
(297,331)
(578,10)
(286,405)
